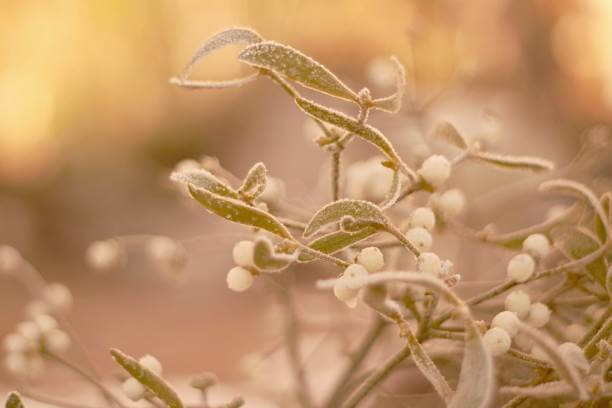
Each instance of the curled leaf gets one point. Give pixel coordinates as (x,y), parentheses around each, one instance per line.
(366,132)
(203,179)
(337,241)
(448,133)
(600,226)
(297,67)
(149,379)
(361,211)
(578,242)
(14,401)
(255,181)
(514,162)
(267,260)
(236,211)
(237,35)
(393,193)
(393,103)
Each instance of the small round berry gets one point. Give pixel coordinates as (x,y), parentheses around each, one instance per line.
(450,203)
(521,268)
(58,297)
(16,343)
(29,330)
(518,302)
(10,259)
(575,355)
(45,323)
(16,363)
(103,255)
(574,332)
(274,192)
(378,181)
(423,217)
(508,321)
(355,271)
(537,245)
(243,253)
(167,252)
(420,237)
(371,258)
(344,292)
(497,341)
(133,389)
(435,170)
(57,341)
(539,315)
(151,363)
(430,264)
(35,308)
(239,279)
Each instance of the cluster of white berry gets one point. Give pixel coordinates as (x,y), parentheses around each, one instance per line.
(369,260)
(522,266)
(241,277)
(504,326)
(132,388)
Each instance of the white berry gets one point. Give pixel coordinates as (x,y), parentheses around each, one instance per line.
(497,341)
(423,217)
(537,245)
(430,264)
(29,330)
(16,363)
(239,279)
(151,363)
(521,268)
(371,258)
(133,389)
(57,341)
(518,302)
(103,255)
(345,293)
(539,315)
(450,203)
(16,343)
(420,237)
(435,170)
(574,354)
(10,259)
(45,322)
(58,297)
(355,271)
(243,253)
(508,321)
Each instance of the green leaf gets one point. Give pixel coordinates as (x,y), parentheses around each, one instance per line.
(448,133)
(149,379)
(600,227)
(297,67)
(477,377)
(514,162)
(14,401)
(267,260)
(393,193)
(574,188)
(366,132)
(578,242)
(238,212)
(205,180)
(393,103)
(337,241)
(333,212)
(255,181)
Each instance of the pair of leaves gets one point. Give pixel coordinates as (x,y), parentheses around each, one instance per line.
(149,379)
(360,211)
(254,183)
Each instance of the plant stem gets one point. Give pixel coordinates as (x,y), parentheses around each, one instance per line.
(47,399)
(335,174)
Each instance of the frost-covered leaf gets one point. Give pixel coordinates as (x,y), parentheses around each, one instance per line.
(255,181)
(267,260)
(149,379)
(236,211)
(477,377)
(393,193)
(14,401)
(203,179)
(366,132)
(541,391)
(448,133)
(333,212)
(337,241)
(578,242)
(236,35)
(514,162)
(393,103)
(574,188)
(600,227)
(297,67)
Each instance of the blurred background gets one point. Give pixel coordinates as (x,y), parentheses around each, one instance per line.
(90,128)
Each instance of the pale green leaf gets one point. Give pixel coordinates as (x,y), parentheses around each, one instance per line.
(255,181)
(237,211)
(600,227)
(366,132)
(514,162)
(578,242)
(337,241)
(393,103)
(448,133)
(267,260)
(297,67)
(203,179)
(360,210)
(149,379)
(393,193)
(14,401)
